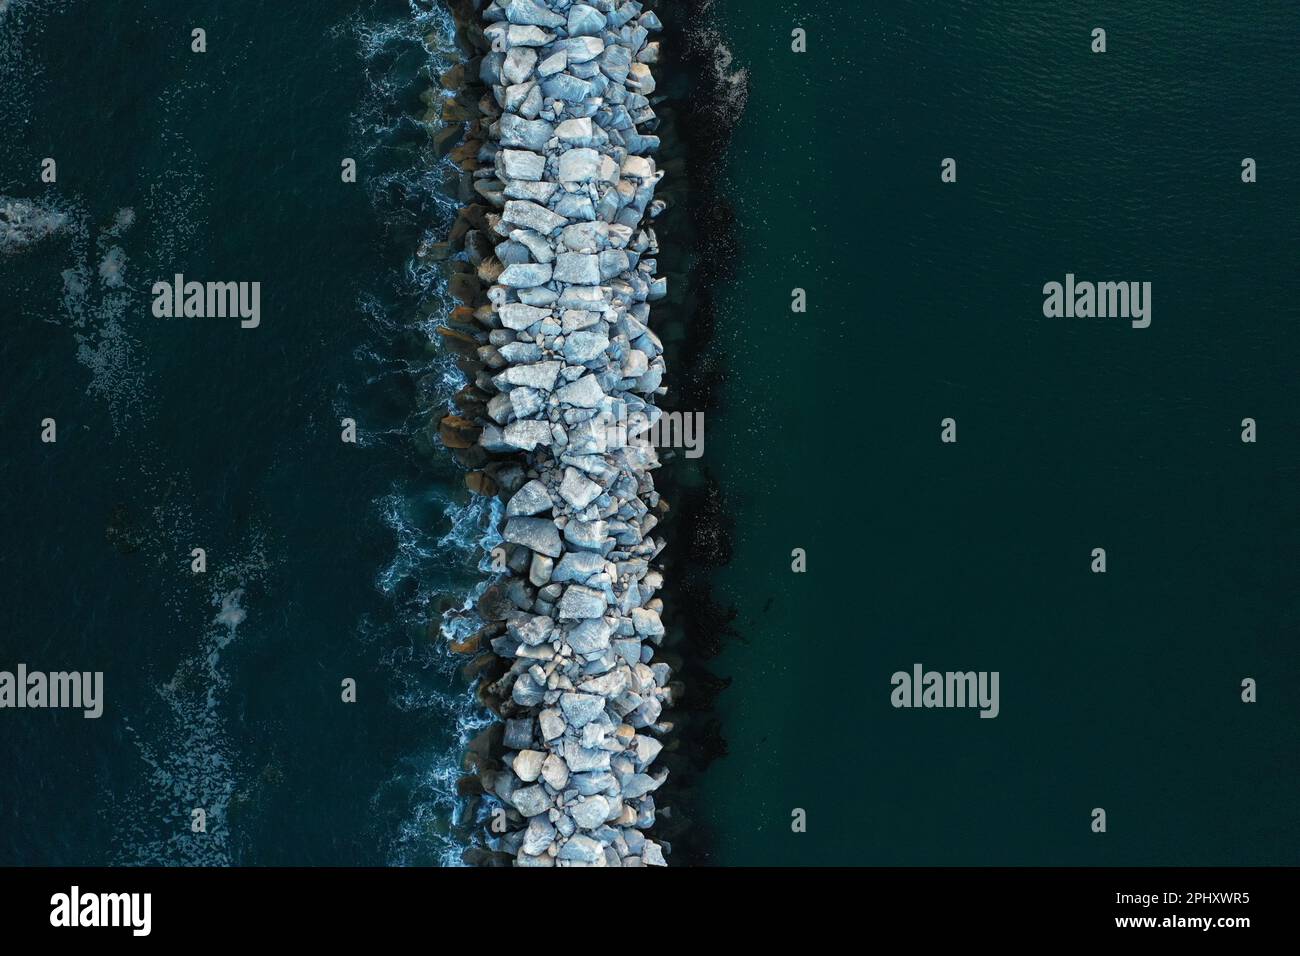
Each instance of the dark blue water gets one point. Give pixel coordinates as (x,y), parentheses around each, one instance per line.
(326,560)
(1119,691)
(329,561)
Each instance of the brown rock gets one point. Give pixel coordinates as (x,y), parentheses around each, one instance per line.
(454,112)
(464,288)
(469,645)
(454,78)
(446,138)
(480,483)
(457,432)
(466,154)
(462,343)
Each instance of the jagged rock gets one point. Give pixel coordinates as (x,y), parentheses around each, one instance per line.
(647,622)
(526,274)
(591,812)
(581,709)
(581,49)
(539,570)
(551,723)
(579,165)
(532,216)
(554,63)
(577,131)
(577,268)
(521,164)
(538,836)
(554,771)
(527,435)
(566,86)
(580,602)
(538,375)
(518,66)
(531,499)
(581,849)
(533,631)
(585,20)
(584,393)
(525,133)
(590,636)
(578,490)
(529,11)
(584,346)
(517,316)
(538,534)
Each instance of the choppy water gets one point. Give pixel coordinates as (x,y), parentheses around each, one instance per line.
(326,561)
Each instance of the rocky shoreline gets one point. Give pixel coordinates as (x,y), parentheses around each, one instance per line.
(553,264)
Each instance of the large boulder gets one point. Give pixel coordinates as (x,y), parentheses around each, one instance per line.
(537,534)
(581,709)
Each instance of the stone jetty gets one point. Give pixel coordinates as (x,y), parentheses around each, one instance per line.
(553,263)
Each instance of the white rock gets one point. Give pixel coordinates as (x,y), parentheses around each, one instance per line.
(591,812)
(581,709)
(577,267)
(528,765)
(578,490)
(531,499)
(579,165)
(522,164)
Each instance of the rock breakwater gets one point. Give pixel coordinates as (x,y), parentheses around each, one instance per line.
(553,263)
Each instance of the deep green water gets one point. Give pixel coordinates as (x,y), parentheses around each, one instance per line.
(1119,690)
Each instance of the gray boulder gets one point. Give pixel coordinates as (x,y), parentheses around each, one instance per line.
(531,499)
(530,801)
(526,274)
(531,12)
(537,534)
(577,268)
(577,489)
(591,812)
(527,434)
(521,212)
(528,765)
(584,346)
(584,393)
(522,164)
(581,709)
(585,20)
(580,602)
(581,849)
(579,165)
(538,375)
